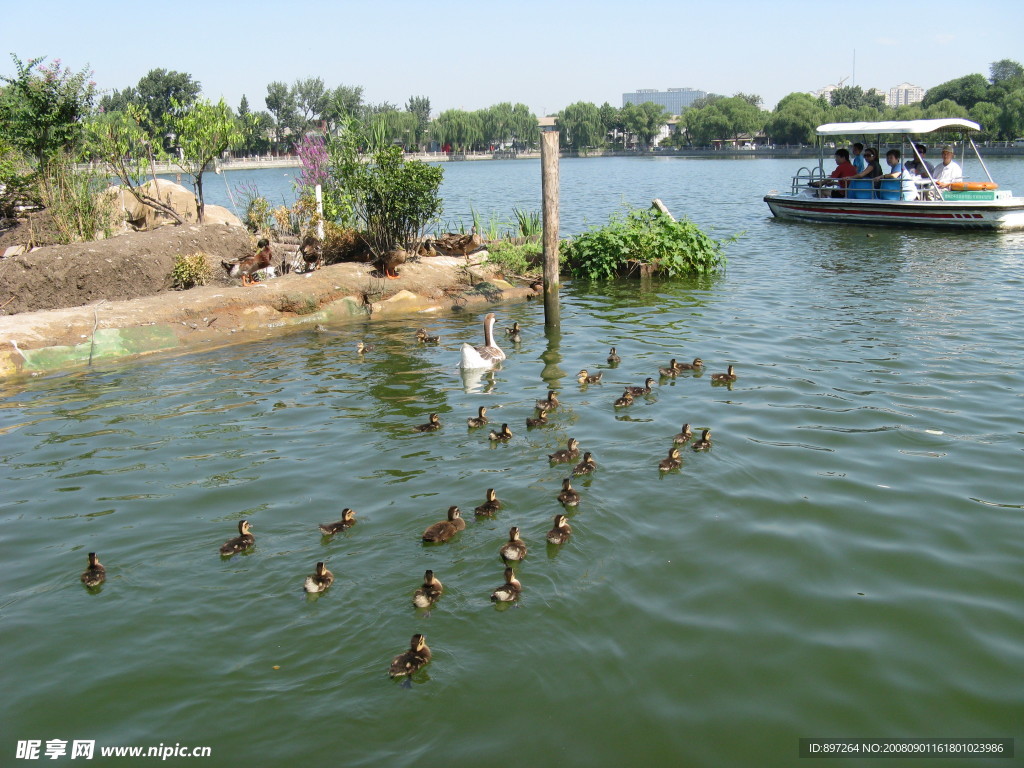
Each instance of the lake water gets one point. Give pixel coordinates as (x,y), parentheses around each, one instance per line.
(847,560)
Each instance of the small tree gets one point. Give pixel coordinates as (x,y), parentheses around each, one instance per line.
(204,130)
(397,200)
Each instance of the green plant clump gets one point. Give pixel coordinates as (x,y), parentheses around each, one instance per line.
(641,237)
(190,270)
(517,259)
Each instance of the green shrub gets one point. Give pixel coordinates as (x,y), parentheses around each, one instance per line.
(672,248)
(516,259)
(77,202)
(191,270)
(530,222)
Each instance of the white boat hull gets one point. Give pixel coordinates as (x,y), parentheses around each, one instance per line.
(1003,215)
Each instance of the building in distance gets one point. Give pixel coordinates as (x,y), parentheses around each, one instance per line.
(674,100)
(904,93)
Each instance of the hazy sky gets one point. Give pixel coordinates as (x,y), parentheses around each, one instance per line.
(549,54)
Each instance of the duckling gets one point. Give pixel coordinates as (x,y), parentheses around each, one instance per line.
(95,574)
(479,420)
(586,466)
(723,378)
(243,541)
(445,529)
(672,462)
(704,444)
(696,365)
(570,453)
(513,333)
(413,660)
(431,426)
(508,591)
(549,403)
(320,580)
(537,421)
(561,531)
(624,401)
(613,358)
(490,506)
(423,338)
(427,595)
(684,435)
(363,348)
(515,548)
(640,391)
(569,496)
(584,377)
(671,372)
(348,519)
(502,435)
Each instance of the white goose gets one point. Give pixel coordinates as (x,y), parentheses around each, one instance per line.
(486,356)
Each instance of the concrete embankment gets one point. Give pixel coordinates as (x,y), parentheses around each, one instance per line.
(36,343)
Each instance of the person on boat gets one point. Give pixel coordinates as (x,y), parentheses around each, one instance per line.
(872,168)
(844,170)
(921,167)
(948,171)
(857,156)
(897,170)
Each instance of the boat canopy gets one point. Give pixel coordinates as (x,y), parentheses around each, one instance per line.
(895,126)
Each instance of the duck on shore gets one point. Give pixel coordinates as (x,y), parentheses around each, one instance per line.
(247,266)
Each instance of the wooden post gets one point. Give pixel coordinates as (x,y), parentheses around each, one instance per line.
(549,189)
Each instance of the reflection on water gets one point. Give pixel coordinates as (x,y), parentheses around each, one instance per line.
(845,560)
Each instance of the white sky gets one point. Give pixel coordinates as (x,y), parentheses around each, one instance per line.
(544,53)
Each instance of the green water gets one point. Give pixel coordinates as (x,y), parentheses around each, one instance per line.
(846,561)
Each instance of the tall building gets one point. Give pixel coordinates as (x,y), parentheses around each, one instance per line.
(675,100)
(904,93)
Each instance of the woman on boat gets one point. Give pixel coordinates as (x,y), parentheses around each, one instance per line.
(872,168)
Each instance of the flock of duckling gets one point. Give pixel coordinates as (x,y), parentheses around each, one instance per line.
(515,549)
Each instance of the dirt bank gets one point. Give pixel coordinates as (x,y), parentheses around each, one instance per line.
(113,299)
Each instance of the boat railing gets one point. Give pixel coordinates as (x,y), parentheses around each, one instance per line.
(805,177)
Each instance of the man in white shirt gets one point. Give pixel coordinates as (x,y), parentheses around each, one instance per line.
(948,170)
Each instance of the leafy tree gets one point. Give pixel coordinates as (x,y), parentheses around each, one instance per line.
(1011,117)
(159,91)
(613,122)
(644,121)
(204,131)
(580,126)
(795,119)
(946,108)
(420,107)
(855,97)
(397,199)
(1003,70)
(458,128)
(42,108)
(751,98)
(281,103)
(311,100)
(524,128)
(118,101)
(965,91)
(243,106)
(986,114)
(344,102)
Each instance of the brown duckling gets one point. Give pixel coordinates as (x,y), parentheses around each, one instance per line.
(613,358)
(569,496)
(724,378)
(704,444)
(640,391)
(561,531)
(413,660)
(348,519)
(537,421)
(514,336)
(696,365)
(490,506)
(423,338)
(95,574)
(363,348)
(479,420)
(243,541)
(320,580)
(427,595)
(671,372)
(431,426)
(445,529)
(585,377)
(549,403)
(684,435)
(502,435)
(586,466)
(672,462)
(570,453)
(515,548)
(508,591)
(624,401)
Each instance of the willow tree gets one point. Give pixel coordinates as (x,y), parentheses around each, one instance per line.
(204,130)
(458,128)
(579,126)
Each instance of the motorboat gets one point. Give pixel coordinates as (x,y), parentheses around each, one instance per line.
(909,201)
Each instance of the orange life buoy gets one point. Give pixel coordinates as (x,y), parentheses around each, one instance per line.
(973,186)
